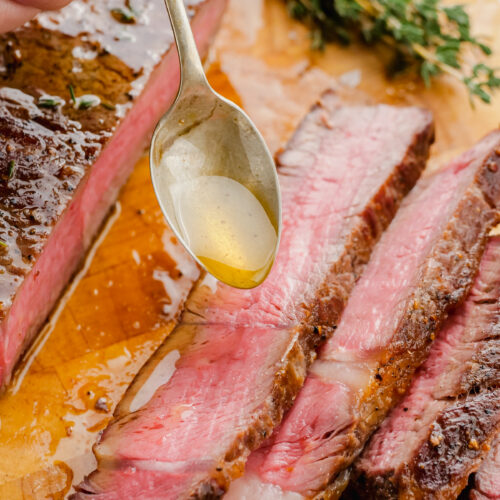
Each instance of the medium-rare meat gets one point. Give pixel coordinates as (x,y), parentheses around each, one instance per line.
(441,430)
(487,479)
(423,265)
(80,90)
(342,177)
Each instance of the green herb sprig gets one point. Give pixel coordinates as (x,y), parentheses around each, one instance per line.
(124,15)
(50,102)
(85,101)
(108,106)
(425,32)
(72,93)
(12,169)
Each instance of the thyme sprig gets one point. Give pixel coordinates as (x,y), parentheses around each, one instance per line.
(72,93)
(12,169)
(124,15)
(47,103)
(85,101)
(50,102)
(426,32)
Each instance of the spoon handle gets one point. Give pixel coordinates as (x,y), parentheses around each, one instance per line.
(190,63)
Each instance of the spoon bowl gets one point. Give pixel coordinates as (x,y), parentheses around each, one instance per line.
(214,176)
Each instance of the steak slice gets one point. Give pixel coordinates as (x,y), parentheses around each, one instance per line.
(487,479)
(439,433)
(244,354)
(64,161)
(423,265)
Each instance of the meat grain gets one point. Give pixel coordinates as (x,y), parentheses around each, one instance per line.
(423,266)
(442,429)
(193,415)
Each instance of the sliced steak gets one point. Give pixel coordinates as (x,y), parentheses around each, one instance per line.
(438,434)
(63,160)
(487,479)
(423,265)
(245,353)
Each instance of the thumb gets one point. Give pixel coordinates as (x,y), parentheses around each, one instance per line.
(43,4)
(14,13)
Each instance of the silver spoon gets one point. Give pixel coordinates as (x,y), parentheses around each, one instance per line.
(213,174)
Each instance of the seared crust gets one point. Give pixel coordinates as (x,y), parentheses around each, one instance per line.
(67,81)
(44,159)
(49,151)
(323,315)
(464,432)
(446,282)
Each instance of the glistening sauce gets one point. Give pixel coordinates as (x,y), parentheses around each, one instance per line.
(217,191)
(226,227)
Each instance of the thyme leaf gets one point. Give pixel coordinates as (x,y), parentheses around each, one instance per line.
(49,102)
(87,101)
(85,104)
(422,32)
(107,105)
(12,169)
(124,15)
(72,93)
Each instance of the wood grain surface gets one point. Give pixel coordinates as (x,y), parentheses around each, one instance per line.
(123,304)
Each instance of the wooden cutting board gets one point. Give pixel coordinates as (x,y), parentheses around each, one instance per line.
(119,308)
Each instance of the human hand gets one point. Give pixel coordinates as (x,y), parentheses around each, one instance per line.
(14,13)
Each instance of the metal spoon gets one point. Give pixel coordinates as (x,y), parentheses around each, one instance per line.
(213,174)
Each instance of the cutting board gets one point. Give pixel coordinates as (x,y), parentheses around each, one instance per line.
(122,305)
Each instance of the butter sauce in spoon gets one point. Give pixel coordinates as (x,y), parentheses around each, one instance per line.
(213,174)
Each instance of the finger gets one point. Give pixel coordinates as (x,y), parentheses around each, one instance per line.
(43,4)
(14,14)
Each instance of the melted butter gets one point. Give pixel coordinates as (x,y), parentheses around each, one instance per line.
(227,228)
(217,191)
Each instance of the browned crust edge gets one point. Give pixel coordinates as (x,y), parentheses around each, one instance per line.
(466,429)
(443,288)
(324,314)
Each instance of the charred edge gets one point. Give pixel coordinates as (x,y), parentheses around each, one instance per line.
(209,491)
(476,415)
(376,218)
(433,300)
(385,391)
(465,431)
(368,487)
(337,488)
(489,176)
(482,370)
(326,310)
(396,377)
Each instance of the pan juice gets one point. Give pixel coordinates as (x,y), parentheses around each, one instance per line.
(226,227)
(219,198)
